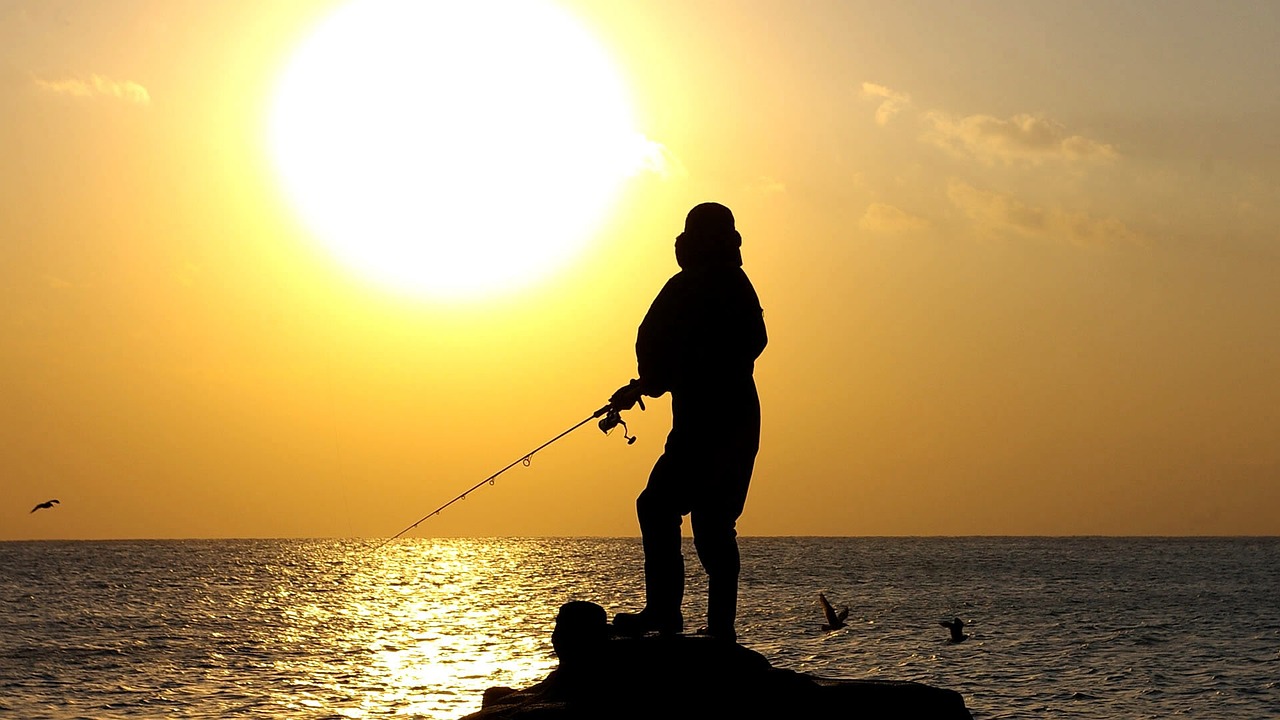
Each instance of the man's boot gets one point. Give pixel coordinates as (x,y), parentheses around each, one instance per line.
(664,593)
(722,608)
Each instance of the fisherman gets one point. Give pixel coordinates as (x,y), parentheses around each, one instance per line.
(699,341)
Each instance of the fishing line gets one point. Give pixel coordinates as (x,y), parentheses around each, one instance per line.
(610,417)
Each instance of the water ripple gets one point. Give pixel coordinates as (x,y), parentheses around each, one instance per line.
(1088,628)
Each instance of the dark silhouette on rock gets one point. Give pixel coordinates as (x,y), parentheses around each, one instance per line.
(580,637)
(835,620)
(698,341)
(46,505)
(687,677)
(957,629)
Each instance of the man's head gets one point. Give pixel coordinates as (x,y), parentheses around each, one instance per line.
(710,219)
(709,237)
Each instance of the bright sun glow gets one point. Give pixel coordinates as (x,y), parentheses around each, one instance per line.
(453,148)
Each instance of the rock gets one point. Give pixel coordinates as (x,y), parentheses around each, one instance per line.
(689,676)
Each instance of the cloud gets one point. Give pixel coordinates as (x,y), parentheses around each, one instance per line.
(891,101)
(1024,137)
(890,220)
(98,86)
(998,213)
(765,185)
(650,156)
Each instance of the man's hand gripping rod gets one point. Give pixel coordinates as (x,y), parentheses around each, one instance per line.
(613,418)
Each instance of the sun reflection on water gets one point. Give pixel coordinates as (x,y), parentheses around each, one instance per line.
(421,628)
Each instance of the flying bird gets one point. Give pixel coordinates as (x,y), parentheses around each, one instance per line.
(957,629)
(44,505)
(835,620)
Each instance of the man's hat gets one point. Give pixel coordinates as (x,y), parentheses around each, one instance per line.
(711,220)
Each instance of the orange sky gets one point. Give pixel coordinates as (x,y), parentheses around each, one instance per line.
(1018,266)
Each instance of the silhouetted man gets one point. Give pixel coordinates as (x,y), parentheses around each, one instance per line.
(699,341)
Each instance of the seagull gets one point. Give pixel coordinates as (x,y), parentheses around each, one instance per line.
(44,505)
(835,620)
(956,626)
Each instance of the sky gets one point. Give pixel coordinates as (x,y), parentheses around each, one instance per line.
(1018,263)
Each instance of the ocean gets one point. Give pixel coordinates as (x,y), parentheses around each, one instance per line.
(1059,627)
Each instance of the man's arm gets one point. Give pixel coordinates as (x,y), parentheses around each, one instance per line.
(659,338)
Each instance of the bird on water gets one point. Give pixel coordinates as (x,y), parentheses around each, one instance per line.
(835,620)
(956,627)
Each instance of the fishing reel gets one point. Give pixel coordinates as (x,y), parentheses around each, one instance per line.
(611,420)
(627,397)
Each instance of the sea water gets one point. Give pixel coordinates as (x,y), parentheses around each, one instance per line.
(1059,627)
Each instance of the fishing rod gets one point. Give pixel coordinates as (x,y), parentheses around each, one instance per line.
(610,418)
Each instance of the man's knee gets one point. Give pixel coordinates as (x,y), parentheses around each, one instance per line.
(655,510)
(715,537)
(649,503)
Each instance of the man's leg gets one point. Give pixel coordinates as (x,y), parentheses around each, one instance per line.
(726,479)
(659,511)
(716,539)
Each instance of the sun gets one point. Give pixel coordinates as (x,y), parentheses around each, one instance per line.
(453,148)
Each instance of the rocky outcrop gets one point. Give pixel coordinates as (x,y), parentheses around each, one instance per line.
(688,676)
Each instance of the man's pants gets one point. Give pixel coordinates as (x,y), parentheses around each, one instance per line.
(704,472)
